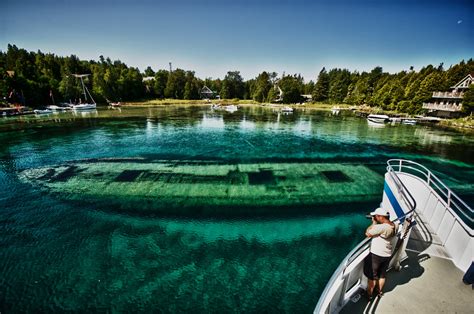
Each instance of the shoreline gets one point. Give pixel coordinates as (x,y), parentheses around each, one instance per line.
(237,102)
(465,124)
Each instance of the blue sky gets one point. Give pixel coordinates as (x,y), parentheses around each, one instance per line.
(213,37)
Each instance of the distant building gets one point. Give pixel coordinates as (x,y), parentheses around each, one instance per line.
(207,93)
(449,104)
(307,97)
(148,78)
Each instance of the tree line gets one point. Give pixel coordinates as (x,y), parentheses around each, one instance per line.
(32,78)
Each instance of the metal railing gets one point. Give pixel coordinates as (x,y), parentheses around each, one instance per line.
(395,166)
(448,94)
(446,194)
(443,106)
(363,246)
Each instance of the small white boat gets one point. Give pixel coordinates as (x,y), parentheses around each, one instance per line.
(378,118)
(84,107)
(286,109)
(115,104)
(375,124)
(409,121)
(43,111)
(216,106)
(58,108)
(85,113)
(335,110)
(231,108)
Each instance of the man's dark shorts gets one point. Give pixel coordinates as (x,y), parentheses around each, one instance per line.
(375,266)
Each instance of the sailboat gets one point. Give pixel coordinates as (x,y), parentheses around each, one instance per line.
(87,105)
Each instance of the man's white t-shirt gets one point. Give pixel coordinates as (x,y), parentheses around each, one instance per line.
(381,241)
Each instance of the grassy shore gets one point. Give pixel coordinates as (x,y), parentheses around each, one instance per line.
(466,123)
(167,102)
(239,102)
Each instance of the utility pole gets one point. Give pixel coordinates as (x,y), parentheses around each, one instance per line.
(171,68)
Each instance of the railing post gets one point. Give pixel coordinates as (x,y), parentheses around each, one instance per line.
(449,198)
(428,180)
(342,296)
(400,166)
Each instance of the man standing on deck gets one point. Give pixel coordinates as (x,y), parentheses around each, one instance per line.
(381,231)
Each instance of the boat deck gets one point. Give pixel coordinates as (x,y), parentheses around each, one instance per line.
(428,282)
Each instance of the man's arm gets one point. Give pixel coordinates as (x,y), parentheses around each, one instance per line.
(373,230)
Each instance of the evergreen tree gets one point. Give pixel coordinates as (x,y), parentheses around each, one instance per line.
(149,71)
(233,86)
(339,85)
(191,88)
(175,84)
(262,87)
(432,82)
(468,101)
(161,78)
(272,94)
(321,88)
(291,89)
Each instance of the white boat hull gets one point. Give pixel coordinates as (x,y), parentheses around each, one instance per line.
(84,107)
(46,111)
(375,118)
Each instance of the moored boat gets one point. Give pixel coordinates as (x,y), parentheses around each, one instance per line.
(231,108)
(378,118)
(43,111)
(86,105)
(409,121)
(79,107)
(58,108)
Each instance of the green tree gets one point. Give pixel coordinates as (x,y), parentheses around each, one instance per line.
(149,71)
(339,85)
(468,100)
(321,89)
(309,88)
(192,86)
(272,94)
(358,93)
(291,89)
(70,88)
(432,82)
(262,87)
(233,86)
(161,78)
(175,84)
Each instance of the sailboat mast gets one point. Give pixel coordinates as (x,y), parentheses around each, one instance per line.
(84,90)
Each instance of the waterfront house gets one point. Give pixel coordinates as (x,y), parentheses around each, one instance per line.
(207,93)
(449,104)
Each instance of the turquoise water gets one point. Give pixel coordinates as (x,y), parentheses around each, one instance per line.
(81,251)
